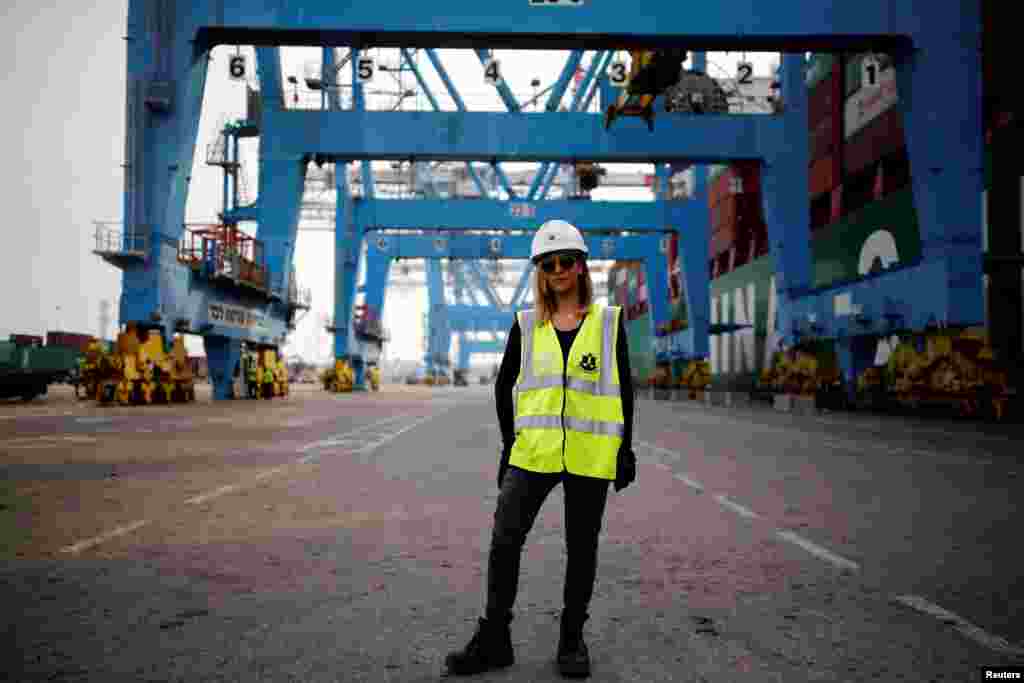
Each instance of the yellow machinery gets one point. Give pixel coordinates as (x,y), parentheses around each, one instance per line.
(338,379)
(696,376)
(802,371)
(955,368)
(138,370)
(272,375)
(651,72)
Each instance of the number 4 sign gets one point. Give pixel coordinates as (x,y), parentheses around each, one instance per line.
(492,71)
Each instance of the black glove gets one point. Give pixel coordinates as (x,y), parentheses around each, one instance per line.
(625,469)
(506,453)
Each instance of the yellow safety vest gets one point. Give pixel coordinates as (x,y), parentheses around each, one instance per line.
(585,439)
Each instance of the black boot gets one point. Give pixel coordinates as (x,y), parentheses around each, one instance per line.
(573,658)
(490,648)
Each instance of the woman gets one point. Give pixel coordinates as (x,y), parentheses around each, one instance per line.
(568,421)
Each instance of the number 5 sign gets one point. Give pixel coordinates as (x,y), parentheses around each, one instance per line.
(364,69)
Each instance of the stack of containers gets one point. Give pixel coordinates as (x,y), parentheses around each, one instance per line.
(824,107)
(873,129)
(736,216)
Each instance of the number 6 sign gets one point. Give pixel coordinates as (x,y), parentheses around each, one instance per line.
(236,67)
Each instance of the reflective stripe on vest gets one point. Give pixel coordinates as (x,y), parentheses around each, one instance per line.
(591,429)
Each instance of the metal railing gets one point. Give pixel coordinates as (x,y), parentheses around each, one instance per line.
(116,238)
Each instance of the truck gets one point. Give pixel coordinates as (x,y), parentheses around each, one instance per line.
(28,367)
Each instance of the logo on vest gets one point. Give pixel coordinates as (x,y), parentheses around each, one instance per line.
(588,362)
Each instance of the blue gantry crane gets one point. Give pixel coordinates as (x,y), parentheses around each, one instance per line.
(168,46)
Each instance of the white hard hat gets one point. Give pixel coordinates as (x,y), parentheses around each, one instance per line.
(556,235)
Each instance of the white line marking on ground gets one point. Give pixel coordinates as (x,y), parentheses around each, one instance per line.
(817,550)
(697,486)
(209,495)
(96,540)
(322,442)
(736,507)
(93,420)
(965,627)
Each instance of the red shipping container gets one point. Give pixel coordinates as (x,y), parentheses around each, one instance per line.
(824,175)
(726,213)
(821,98)
(722,240)
(68,339)
(881,137)
(749,173)
(26,339)
(837,203)
(823,139)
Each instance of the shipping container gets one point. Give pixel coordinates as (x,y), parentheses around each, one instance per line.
(821,65)
(722,239)
(867,104)
(837,250)
(880,138)
(837,203)
(72,340)
(822,142)
(641,348)
(821,99)
(749,173)
(26,340)
(821,212)
(854,71)
(824,175)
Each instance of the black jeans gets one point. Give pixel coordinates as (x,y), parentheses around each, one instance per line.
(522,494)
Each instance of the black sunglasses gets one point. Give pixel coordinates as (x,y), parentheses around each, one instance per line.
(567,261)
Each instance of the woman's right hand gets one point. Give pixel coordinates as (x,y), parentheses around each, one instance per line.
(506,453)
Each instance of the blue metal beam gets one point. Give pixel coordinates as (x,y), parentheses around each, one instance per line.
(359,105)
(493,136)
(568,71)
(449,86)
(468,246)
(419,79)
(577,97)
(481,214)
(484,287)
(346,262)
(786,25)
(597,79)
(521,287)
(503,179)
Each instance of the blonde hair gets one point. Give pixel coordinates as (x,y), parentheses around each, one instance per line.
(545,302)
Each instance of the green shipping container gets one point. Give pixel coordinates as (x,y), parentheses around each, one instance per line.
(839,249)
(641,347)
(819,68)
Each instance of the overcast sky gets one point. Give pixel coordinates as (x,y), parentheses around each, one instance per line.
(64,135)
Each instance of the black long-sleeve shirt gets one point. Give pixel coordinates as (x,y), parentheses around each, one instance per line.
(509,373)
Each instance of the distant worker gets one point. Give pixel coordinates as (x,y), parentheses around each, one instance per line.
(570,423)
(252,379)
